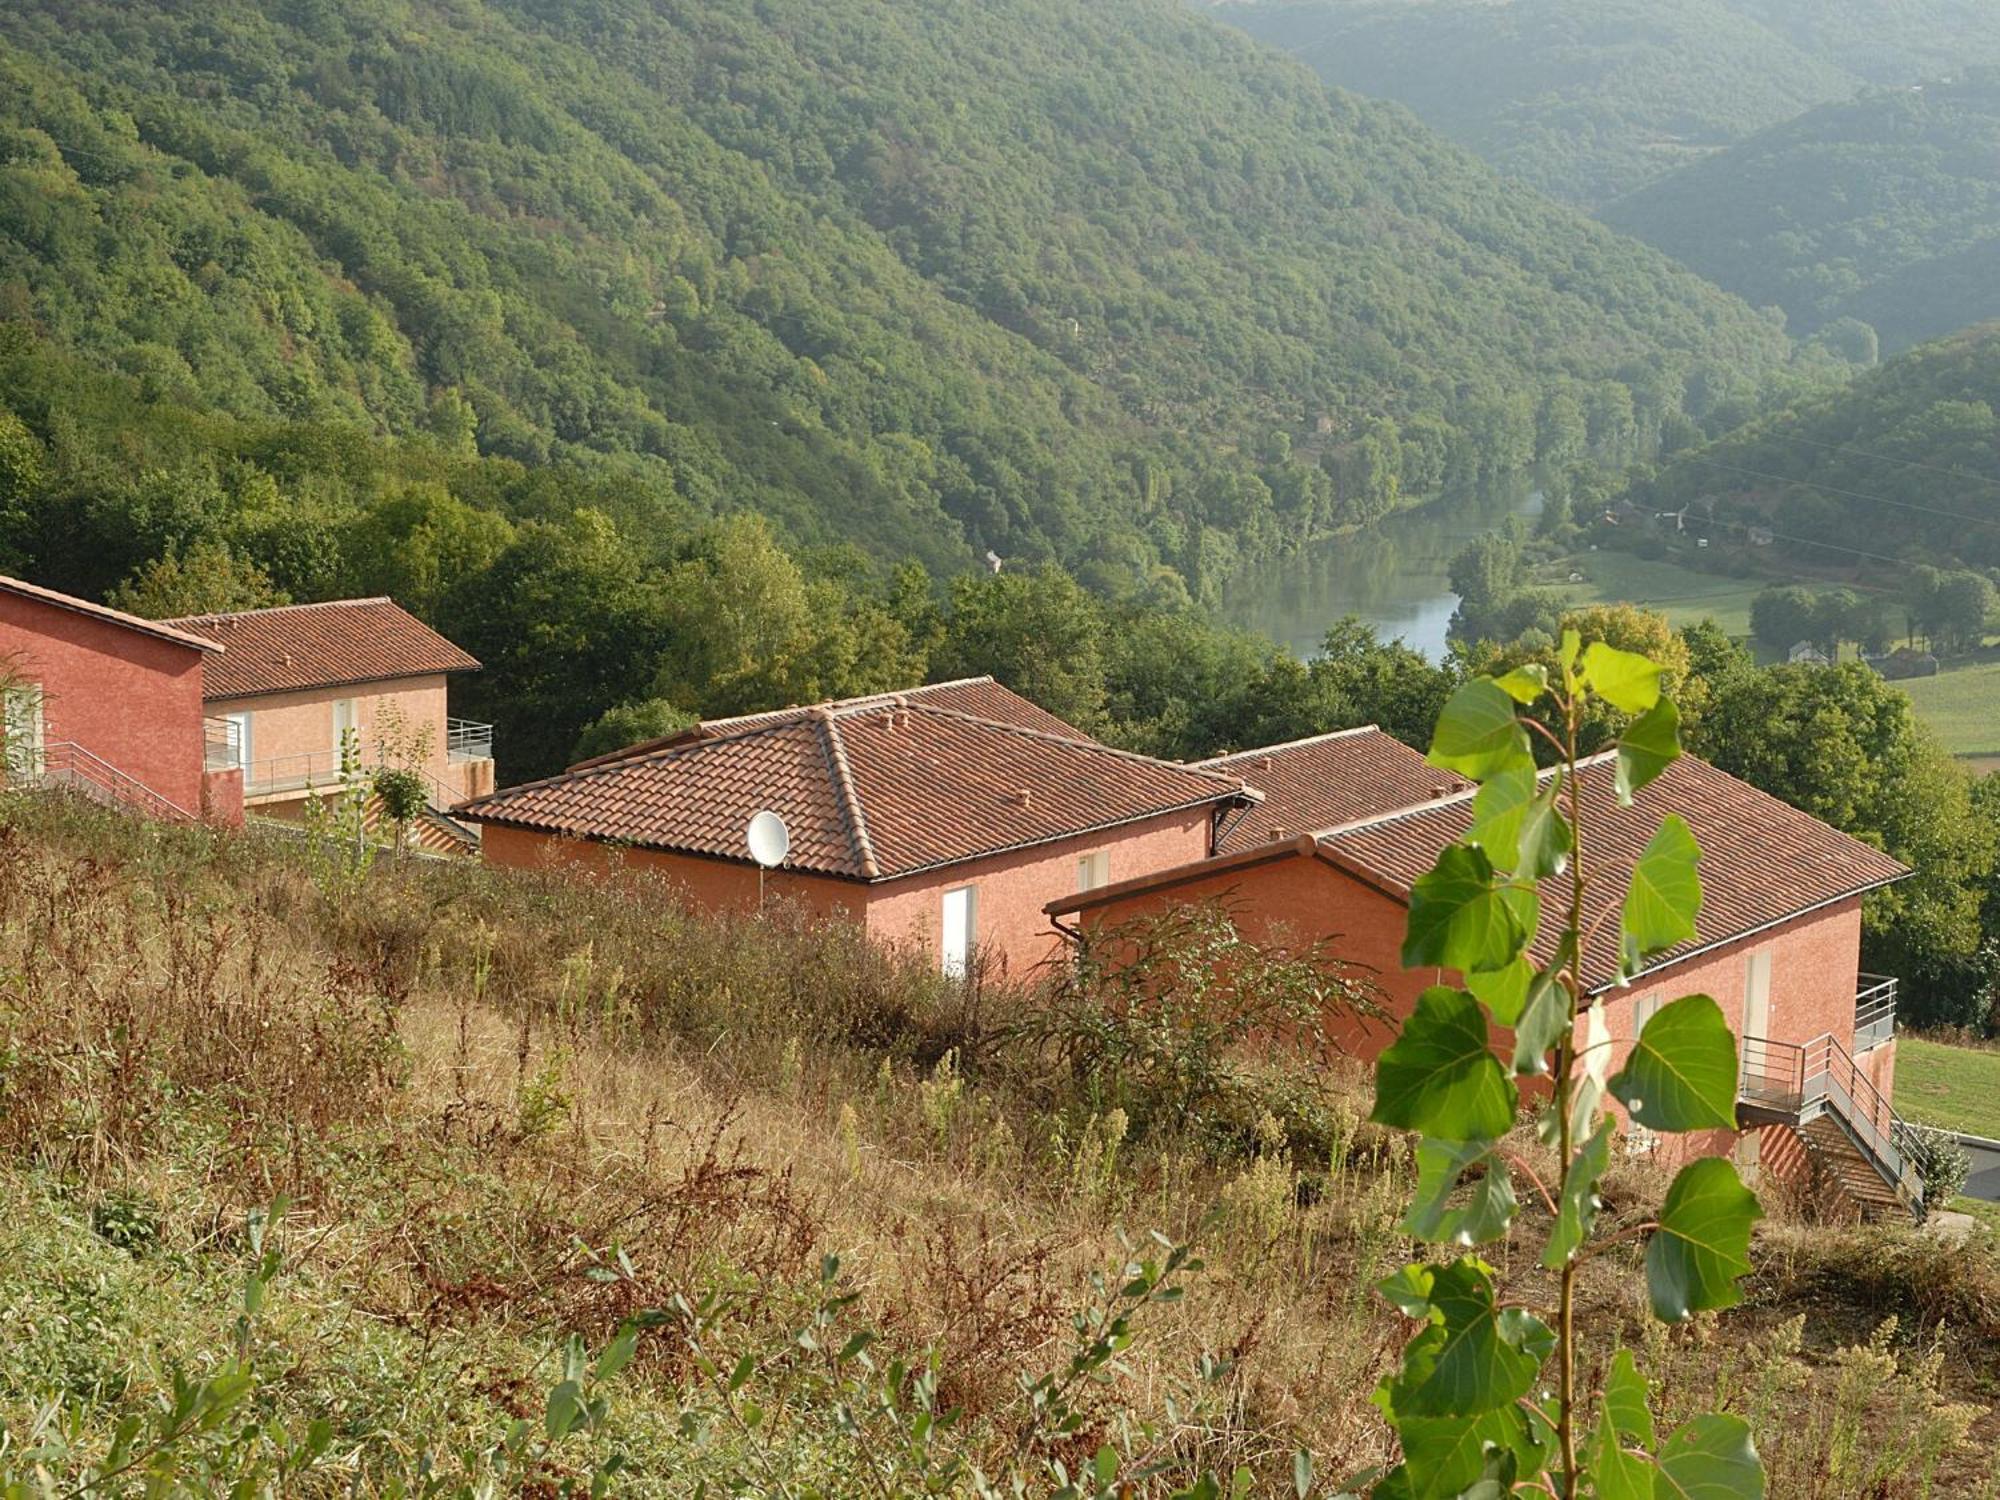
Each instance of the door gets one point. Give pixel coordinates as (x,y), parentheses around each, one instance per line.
(344,726)
(1757,994)
(22,733)
(959,931)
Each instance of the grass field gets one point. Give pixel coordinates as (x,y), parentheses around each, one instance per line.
(1685,595)
(1962,703)
(1956,1087)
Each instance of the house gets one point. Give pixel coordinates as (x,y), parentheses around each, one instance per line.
(295,682)
(1808,654)
(943,818)
(1325,781)
(107,704)
(1779,948)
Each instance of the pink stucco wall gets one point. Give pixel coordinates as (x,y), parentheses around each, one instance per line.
(1014,935)
(129,698)
(291,737)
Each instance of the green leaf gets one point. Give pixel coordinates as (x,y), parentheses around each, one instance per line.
(1576,1209)
(1302,1474)
(1525,683)
(1682,1071)
(1566,653)
(1616,1472)
(1624,679)
(1104,1468)
(1475,1356)
(1545,1020)
(1463,917)
(1477,734)
(1545,836)
(617,1354)
(1711,1458)
(1664,896)
(1441,1169)
(1650,744)
(1497,811)
(1410,1290)
(1440,1076)
(1628,1400)
(1454,1458)
(1503,991)
(1703,1243)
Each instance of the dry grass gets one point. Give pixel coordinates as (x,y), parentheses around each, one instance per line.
(484,1090)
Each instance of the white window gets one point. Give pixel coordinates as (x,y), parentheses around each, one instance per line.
(1757,994)
(959,930)
(22,735)
(1643,1010)
(1093,870)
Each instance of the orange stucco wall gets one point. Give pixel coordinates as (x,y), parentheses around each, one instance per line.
(706,884)
(1815,961)
(131,699)
(291,736)
(1012,932)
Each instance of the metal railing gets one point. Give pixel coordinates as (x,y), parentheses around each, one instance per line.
(1874,1012)
(320,771)
(66,765)
(221,745)
(466,739)
(1805,1080)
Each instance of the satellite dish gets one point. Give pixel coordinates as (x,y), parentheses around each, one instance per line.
(770,841)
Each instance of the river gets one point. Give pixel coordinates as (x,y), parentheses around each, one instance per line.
(1392,576)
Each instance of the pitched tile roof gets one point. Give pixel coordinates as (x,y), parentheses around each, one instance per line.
(870,791)
(166,630)
(1762,860)
(1325,781)
(299,646)
(981,697)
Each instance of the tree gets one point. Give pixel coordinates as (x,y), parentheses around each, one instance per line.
(1626,627)
(1783,615)
(630,724)
(1365,680)
(1845,746)
(1037,632)
(209,578)
(1473,1409)
(566,623)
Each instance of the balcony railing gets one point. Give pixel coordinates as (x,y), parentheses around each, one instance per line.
(1874,1012)
(465,739)
(222,744)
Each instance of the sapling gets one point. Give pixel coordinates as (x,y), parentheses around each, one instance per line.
(1513,908)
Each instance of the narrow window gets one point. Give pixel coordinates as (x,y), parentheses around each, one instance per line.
(1093,870)
(344,723)
(959,931)
(239,740)
(1757,994)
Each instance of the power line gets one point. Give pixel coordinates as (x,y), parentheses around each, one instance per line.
(1829,489)
(1883,458)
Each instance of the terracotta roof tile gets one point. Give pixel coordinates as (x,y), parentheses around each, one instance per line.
(299,646)
(166,630)
(1326,781)
(981,697)
(869,791)
(1763,860)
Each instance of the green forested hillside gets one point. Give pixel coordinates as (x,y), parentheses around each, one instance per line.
(1902,464)
(1885,208)
(1106,283)
(1592,99)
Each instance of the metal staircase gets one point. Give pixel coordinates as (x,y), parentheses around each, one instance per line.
(1848,1129)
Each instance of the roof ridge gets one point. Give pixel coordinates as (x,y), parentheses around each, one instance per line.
(1097,746)
(280,609)
(56,599)
(1304,740)
(845,705)
(850,797)
(1588,762)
